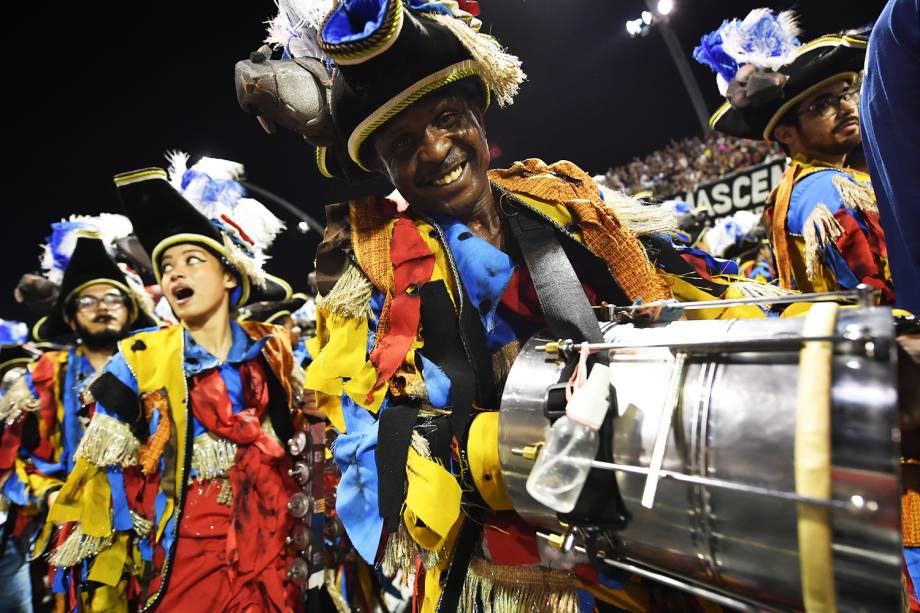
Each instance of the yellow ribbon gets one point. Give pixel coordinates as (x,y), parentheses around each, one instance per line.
(432,502)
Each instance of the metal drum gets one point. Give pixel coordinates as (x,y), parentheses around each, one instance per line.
(724,517)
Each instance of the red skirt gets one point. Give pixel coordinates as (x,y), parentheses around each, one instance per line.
(201,580)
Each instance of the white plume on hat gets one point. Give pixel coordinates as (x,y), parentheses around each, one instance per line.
(58,248)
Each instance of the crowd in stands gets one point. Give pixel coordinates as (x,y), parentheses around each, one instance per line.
(685,163)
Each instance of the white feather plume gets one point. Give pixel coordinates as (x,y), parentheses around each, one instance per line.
(762,39)
(178,164)
(212,186)
(58,248)
(296,24)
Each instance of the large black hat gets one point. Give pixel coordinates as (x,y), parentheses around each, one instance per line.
(764,71)
(90,264)
(270,312)
(163,217)
(387,54)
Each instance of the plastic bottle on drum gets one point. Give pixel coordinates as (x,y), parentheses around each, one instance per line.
(559,474)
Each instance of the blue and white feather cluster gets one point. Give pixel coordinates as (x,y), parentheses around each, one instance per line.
(13,332)
(213,186)
(59,246)
(764,39)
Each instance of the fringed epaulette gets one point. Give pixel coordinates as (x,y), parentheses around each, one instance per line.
(638,218)
(820,230)
(350,297)
(855,196)
(518,588)
(108,442)
(753,289)
(78,547)
(604,234)
(18,399)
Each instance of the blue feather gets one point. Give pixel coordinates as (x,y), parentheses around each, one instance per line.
(13,332)
(711,53)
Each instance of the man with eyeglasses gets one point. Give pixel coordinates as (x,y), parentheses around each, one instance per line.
(45,412)
(824,221)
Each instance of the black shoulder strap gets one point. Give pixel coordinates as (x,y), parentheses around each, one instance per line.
(561,296)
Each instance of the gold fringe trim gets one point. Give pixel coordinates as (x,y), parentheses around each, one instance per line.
(212,457)
(108,442)
(400,553)
(142,525)
(17,400)
(821,229)
(401,550)
(500,70)
(78,547)
(329,581)
(854,195)
(350,297)
(509,589)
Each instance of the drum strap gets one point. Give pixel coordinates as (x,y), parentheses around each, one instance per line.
(561,296)
(813,460)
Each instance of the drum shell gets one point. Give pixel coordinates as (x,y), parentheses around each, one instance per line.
(736,421)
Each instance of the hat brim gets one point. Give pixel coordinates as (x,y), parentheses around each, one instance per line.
(818,63)
(270,312)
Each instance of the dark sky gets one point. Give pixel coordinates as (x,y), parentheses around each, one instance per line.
(93,89)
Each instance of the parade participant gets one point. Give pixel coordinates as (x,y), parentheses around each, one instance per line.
(281,314)
(427,295)
(99,303)
(891,127)
(181,486)
(825,223)
(15,582)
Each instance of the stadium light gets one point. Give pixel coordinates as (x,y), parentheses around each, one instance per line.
(632,28)
(647,17)
(665,6)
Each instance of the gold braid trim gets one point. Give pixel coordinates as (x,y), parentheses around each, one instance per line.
(350,297)
(142,525)
(151,452)
(508,589)
(212,457)
(18,400)
(855,196)
(108,442)
(78,547)
(820,230)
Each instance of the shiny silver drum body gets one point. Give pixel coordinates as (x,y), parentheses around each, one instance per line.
(735,421)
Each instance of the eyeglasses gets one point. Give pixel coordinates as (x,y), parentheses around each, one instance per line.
(829,104)
(112,301)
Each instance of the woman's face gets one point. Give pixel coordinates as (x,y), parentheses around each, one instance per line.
(196,284)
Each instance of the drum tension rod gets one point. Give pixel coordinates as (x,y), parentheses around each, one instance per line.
(665,417)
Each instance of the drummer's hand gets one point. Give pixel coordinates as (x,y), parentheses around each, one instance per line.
(649,313)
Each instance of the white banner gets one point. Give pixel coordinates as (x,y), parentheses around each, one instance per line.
(746,189)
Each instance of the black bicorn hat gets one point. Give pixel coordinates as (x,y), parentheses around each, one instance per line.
(764,71)
(163,217)
(271,312)
(90,264)
(387,54)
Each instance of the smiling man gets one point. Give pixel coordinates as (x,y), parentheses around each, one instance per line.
(426,296)
(826,232)
(181,489)
(46,410)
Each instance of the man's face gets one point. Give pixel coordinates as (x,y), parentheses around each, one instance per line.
(436,154)
(100,316)
(195,283)
(828,122)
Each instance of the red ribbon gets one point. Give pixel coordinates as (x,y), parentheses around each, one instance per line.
(261,486)
(413,263)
